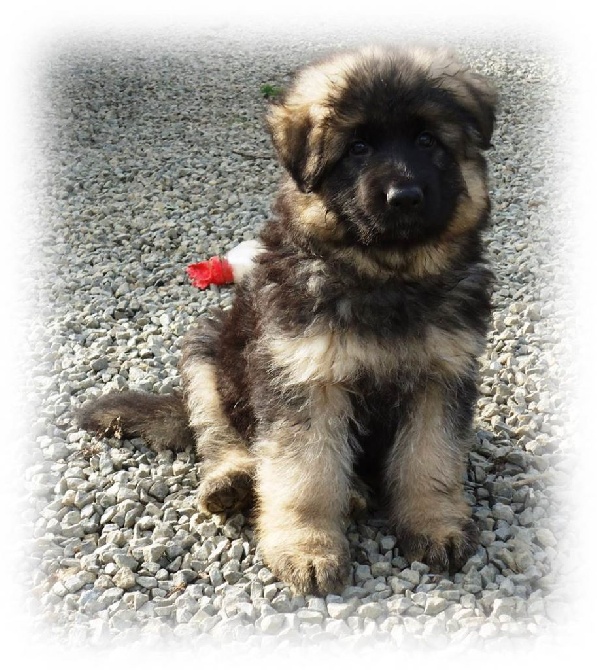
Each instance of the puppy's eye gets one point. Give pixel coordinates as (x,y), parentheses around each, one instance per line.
(425,140)
(359,148)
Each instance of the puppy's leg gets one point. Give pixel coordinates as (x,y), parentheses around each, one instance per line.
(303,487)
(228,467)
(425,475)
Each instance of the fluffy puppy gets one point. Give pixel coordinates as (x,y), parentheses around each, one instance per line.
(350,352)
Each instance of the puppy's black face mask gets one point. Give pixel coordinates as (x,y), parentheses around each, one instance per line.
(394,186)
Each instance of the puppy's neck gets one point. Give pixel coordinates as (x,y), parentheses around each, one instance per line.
(302,222)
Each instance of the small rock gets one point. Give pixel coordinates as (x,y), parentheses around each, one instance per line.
(488,630)
(207,529)
(362,573)
(486,537)
(399,585)
(435,605)
(503,606)
(272,623)
(139,599)
(110,596)
(184,577)
(410,576)
(76,582)
(159,490)
(184,615)
(421,568)
(154,552)
(353,592)
(545,537)
(387,543)
(413,626)
(126,561)
(370,610)
(340,610)
(146,582)
(504,512)
(399,604)
(381,569)
(215,575)
(281,603)
(266,576)
(317,605)
(270,591)
(506,587)
(306,615)
(472,582)
(100,364)
(125,578)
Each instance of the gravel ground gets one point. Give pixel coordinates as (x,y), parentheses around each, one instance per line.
(154,155)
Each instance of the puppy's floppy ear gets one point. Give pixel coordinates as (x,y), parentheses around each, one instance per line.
(298,134)
(481,101)
(474,93)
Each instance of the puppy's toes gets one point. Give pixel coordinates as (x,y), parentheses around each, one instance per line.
(318,565)
(442,550)
(315,574)
(227,492)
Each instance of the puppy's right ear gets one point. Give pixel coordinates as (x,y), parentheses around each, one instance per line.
(298,134)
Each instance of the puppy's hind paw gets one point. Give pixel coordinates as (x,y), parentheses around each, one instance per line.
(229,492)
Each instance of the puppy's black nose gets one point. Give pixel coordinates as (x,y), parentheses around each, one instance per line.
(405,197)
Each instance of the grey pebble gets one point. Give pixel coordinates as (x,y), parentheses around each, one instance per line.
(362,573)
(381,569)
(410,576)
(147,582)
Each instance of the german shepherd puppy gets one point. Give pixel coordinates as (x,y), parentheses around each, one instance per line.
(350,352)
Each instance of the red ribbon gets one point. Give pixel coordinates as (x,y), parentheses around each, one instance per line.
(216,271)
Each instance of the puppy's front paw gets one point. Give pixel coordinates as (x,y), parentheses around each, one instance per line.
(443,549)
(309,561)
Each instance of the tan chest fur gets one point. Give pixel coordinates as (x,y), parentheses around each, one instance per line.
(334,357)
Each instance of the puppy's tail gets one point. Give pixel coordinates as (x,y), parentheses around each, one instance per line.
(161,420)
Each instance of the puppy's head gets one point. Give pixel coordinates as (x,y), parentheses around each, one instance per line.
(390,141)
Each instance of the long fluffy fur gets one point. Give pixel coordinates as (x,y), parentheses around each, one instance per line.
(349,354)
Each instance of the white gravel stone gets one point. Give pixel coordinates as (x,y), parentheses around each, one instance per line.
(76,582)
(341,610)
(272,623)
(370,610)
(310,616)
(435,605)
(545,537)
(125,578)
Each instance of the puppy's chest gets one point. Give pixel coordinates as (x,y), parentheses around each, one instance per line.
(335,355)
(341,331)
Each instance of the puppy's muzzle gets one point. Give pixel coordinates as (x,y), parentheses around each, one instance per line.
(407,198)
